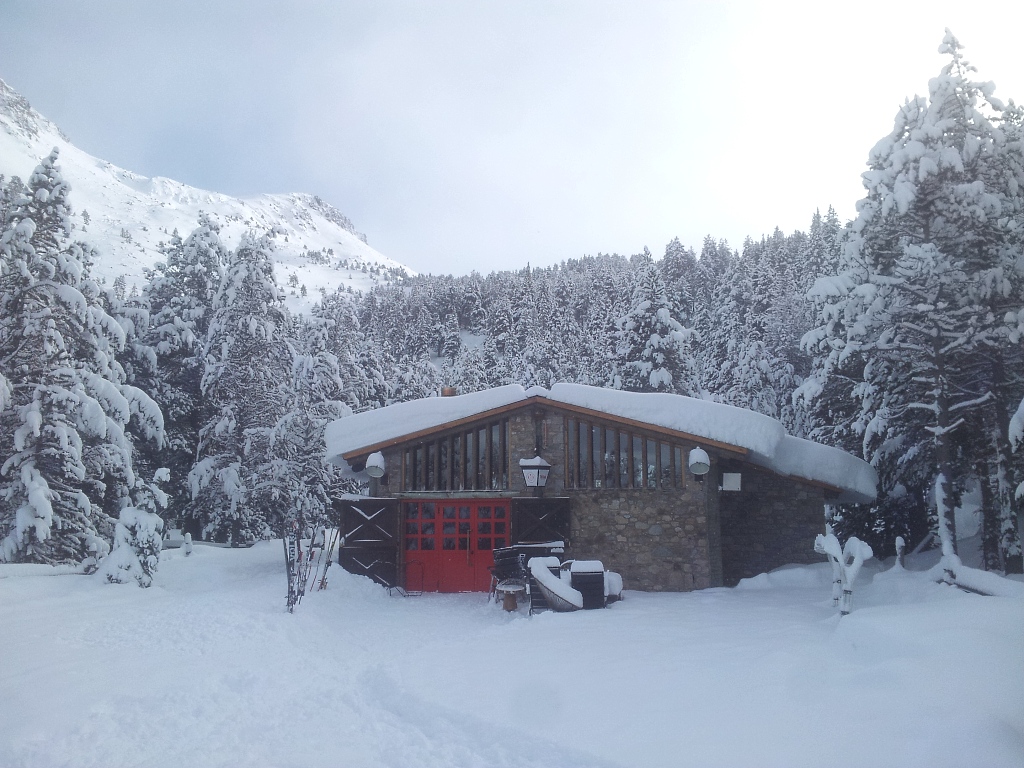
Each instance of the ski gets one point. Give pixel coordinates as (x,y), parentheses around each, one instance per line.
(292,555)
(330,557)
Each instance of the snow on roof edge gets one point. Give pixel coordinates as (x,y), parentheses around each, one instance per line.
(796,457)
(395,421)
(765,438)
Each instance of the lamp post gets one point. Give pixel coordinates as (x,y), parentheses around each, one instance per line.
(535,473)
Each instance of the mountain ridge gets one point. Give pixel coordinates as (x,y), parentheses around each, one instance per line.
(127,216)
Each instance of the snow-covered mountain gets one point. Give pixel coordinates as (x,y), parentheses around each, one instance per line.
(126,216)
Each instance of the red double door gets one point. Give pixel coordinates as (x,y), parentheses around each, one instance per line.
(448,544)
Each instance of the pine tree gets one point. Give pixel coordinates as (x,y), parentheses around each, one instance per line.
(180,294)
(931,251)
(653,347)
(302,480)
(138,536)
(69,462)
(247,367)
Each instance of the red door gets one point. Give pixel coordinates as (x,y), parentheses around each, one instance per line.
(449,543)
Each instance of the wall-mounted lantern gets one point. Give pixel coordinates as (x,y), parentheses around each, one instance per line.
(375,466)
(700,462)
(535,472)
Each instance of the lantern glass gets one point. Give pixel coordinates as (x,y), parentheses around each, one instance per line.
(535,472)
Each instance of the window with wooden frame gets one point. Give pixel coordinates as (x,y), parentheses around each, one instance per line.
(467,460)
(602,456)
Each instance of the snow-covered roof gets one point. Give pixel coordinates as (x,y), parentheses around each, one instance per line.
(761,437)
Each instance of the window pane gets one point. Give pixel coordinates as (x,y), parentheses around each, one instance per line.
(499,512)
(431,462)
(419,476)
(412,544)
(469,463)
(448,528)
(427,529)
(499,543)
(482,473)
(448,513)
(412,511)
(666,465)
(624,460)
(483,527)
(428,544)
(448,543)
(504,455)
(464,513)
(412,528)
(464,528)
(638,462)
(445,468)
(499,528)
(677,467)
(571,455)
(495,456)
(484,543)
(427,512)
(583,456)
(611,459)
(652,464)
(483,512)
(457,463)
(597,457)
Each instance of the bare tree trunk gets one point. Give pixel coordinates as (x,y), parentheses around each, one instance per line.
(945,498)
(991,522)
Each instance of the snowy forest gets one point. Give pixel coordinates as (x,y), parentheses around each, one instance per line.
(201,400)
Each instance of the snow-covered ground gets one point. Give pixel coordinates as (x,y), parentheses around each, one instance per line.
(206,669)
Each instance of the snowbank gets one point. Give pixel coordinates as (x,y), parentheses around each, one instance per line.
(206,669)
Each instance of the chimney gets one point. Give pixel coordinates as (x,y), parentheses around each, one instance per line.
(449,391)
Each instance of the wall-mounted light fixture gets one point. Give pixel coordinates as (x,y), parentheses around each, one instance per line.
(700,462)
(375,466)
(535,471)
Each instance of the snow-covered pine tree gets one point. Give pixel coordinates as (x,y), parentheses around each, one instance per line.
(678,269)
(247,373)
(654,349)
(138,536)
(934,242)
(302,479)
(180,293)
(451,342)
(69,463)
(741,364)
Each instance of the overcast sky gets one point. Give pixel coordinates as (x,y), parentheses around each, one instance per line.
(487,134)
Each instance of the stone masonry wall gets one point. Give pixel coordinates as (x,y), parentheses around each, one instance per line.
(772,521)
(657,540)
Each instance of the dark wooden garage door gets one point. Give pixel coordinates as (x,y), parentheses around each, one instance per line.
(369,538)
(537,520)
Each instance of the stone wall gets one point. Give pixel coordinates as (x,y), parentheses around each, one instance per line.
(657,540)
(772,521)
